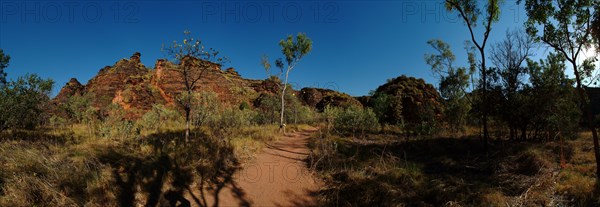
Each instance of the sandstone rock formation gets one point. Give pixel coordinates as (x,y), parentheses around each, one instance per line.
(71,88)
(320,98)
(131,85)
(135,88)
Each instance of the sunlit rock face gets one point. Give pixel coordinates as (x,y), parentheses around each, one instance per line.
(319,98)
(135,88)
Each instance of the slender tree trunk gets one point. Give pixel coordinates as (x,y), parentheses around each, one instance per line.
(281,124)
(484,108)
(590,119)
(187,123)
(188,109)
(512,132)
(524,132)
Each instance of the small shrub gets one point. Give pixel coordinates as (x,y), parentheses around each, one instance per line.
(206,107)
(356,120)
(158,117)
(268,108)
(244,105)
(303,115)
(57,122)
(232,118)
(115,126)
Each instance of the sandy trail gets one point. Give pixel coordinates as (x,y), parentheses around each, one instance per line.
(277,177)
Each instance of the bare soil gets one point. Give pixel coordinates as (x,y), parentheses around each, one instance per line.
(278,176)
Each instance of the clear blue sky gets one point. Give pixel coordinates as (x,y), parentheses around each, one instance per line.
(357,45)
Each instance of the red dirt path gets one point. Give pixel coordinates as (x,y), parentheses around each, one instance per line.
(277,177)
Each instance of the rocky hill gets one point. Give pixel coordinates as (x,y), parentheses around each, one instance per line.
(135,87)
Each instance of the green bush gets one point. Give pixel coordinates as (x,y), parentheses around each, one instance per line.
(268,107)
(244,105)
(158,117)
(205,110)
(354,119)
(232,118)
(22,102)
(305,115)
(77,105)
(113,124)
(57,122)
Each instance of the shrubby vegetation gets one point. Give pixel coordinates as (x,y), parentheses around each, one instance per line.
(23,102)
(269,108)
(408,103)
(159,117)
(353,120)
(528,110)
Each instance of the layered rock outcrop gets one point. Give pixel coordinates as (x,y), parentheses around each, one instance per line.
(134,87)
(320,98)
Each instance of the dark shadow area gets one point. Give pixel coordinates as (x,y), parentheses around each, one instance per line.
(295,200)
(280,149)
(430,172)
(38,135)
(284,157)
(201,167)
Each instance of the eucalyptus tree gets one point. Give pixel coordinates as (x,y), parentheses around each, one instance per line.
(293,50)
(566,27)
(453,83)
(469,11)
(193,59)
(509,57)
(4,59)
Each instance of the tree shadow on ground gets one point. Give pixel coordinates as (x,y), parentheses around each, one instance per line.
(431,172)
(159,169)
(38,135)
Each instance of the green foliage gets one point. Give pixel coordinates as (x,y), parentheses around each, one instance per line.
(193,59)
(268,107)
(114,125)
(470,11)
(92,119)
(157,117)
(233,118)
(22,102)
(293,50)
(57,122)
(453,84)
(555,107)
(511,99)
(388,108)
(206,107)
(77,105)
(440,63)
(410,103)
(353,119)
(304,115)
(244,105)
(567,28)
(457,113)
(4,60)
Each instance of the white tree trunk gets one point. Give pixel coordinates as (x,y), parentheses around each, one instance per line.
(281,124)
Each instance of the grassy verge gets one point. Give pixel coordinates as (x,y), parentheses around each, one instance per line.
(452,172)
(68,167)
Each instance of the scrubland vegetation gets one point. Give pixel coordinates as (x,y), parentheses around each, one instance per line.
(510,134)
(104,160)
